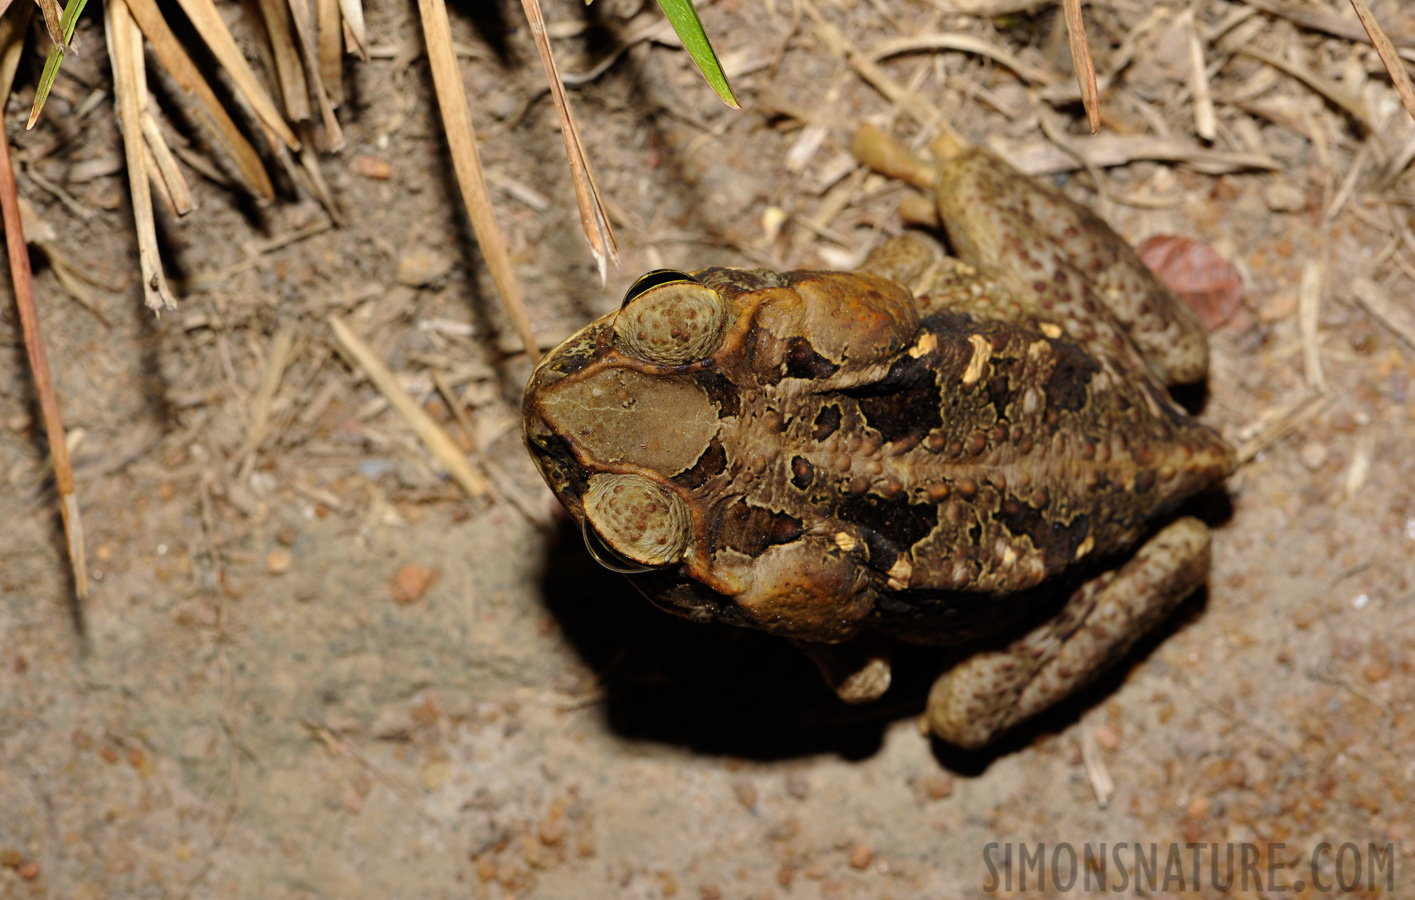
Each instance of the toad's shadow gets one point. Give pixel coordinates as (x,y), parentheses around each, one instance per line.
(732,691)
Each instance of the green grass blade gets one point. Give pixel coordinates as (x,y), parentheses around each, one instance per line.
(684,19)
(68,21)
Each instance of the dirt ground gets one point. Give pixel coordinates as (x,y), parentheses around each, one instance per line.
(312,667)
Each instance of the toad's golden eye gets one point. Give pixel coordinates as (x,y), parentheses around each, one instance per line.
(669,318)
(650,280)
(634,524)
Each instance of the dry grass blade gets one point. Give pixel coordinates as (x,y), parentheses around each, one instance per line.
(169,177)
(210,111)
(462,141)
(213,31)
(289,70)
(23,282)
(1096,771)
(12,44)
(130,83)
(1328,89)
(309,50)
(354,20)
(1386,50)
(1044,158)
(916,107)
(277,360)
(329,26)
(1205,122)
(964,43)
(433,437)
(1323,21)
(1309,305)
(1082,62)
(1397,317)
(593,219)
(53,15)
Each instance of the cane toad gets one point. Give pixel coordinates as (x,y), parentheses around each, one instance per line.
(976,451)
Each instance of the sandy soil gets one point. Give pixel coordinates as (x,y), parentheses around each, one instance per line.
(313,668)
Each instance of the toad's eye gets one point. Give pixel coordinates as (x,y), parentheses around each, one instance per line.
(633,524)
(650,280)
(669,318)
(606,555)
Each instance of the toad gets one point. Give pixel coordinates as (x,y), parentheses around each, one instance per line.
(976,451)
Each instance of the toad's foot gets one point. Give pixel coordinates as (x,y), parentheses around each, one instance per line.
(991,692)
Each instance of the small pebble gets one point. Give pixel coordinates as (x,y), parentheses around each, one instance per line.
(423,266)
(861,855)
(373,167)
(1305,615)
(933,787)
(746,792)
(1107,737)
(1284,196)
(1314,454)
(434,774)
(552,830)
(410,582)
(279,561)
(29,871)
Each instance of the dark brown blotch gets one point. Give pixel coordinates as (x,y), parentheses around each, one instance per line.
(802,473)
(752,529)
(713,462)
(802,361)
(827,422)
(1068,385)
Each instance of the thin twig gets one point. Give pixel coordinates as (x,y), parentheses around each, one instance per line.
(23,281)
(1386,50)
(432,434)
(1205,122)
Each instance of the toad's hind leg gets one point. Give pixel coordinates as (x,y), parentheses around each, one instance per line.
(992,691)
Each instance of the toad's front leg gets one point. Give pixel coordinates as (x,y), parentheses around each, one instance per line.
(994,690)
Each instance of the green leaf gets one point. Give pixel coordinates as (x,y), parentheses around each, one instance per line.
(68,21)
(690,31)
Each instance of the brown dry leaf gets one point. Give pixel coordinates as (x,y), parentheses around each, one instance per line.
(1203,279)
(593,219)
(462,141)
